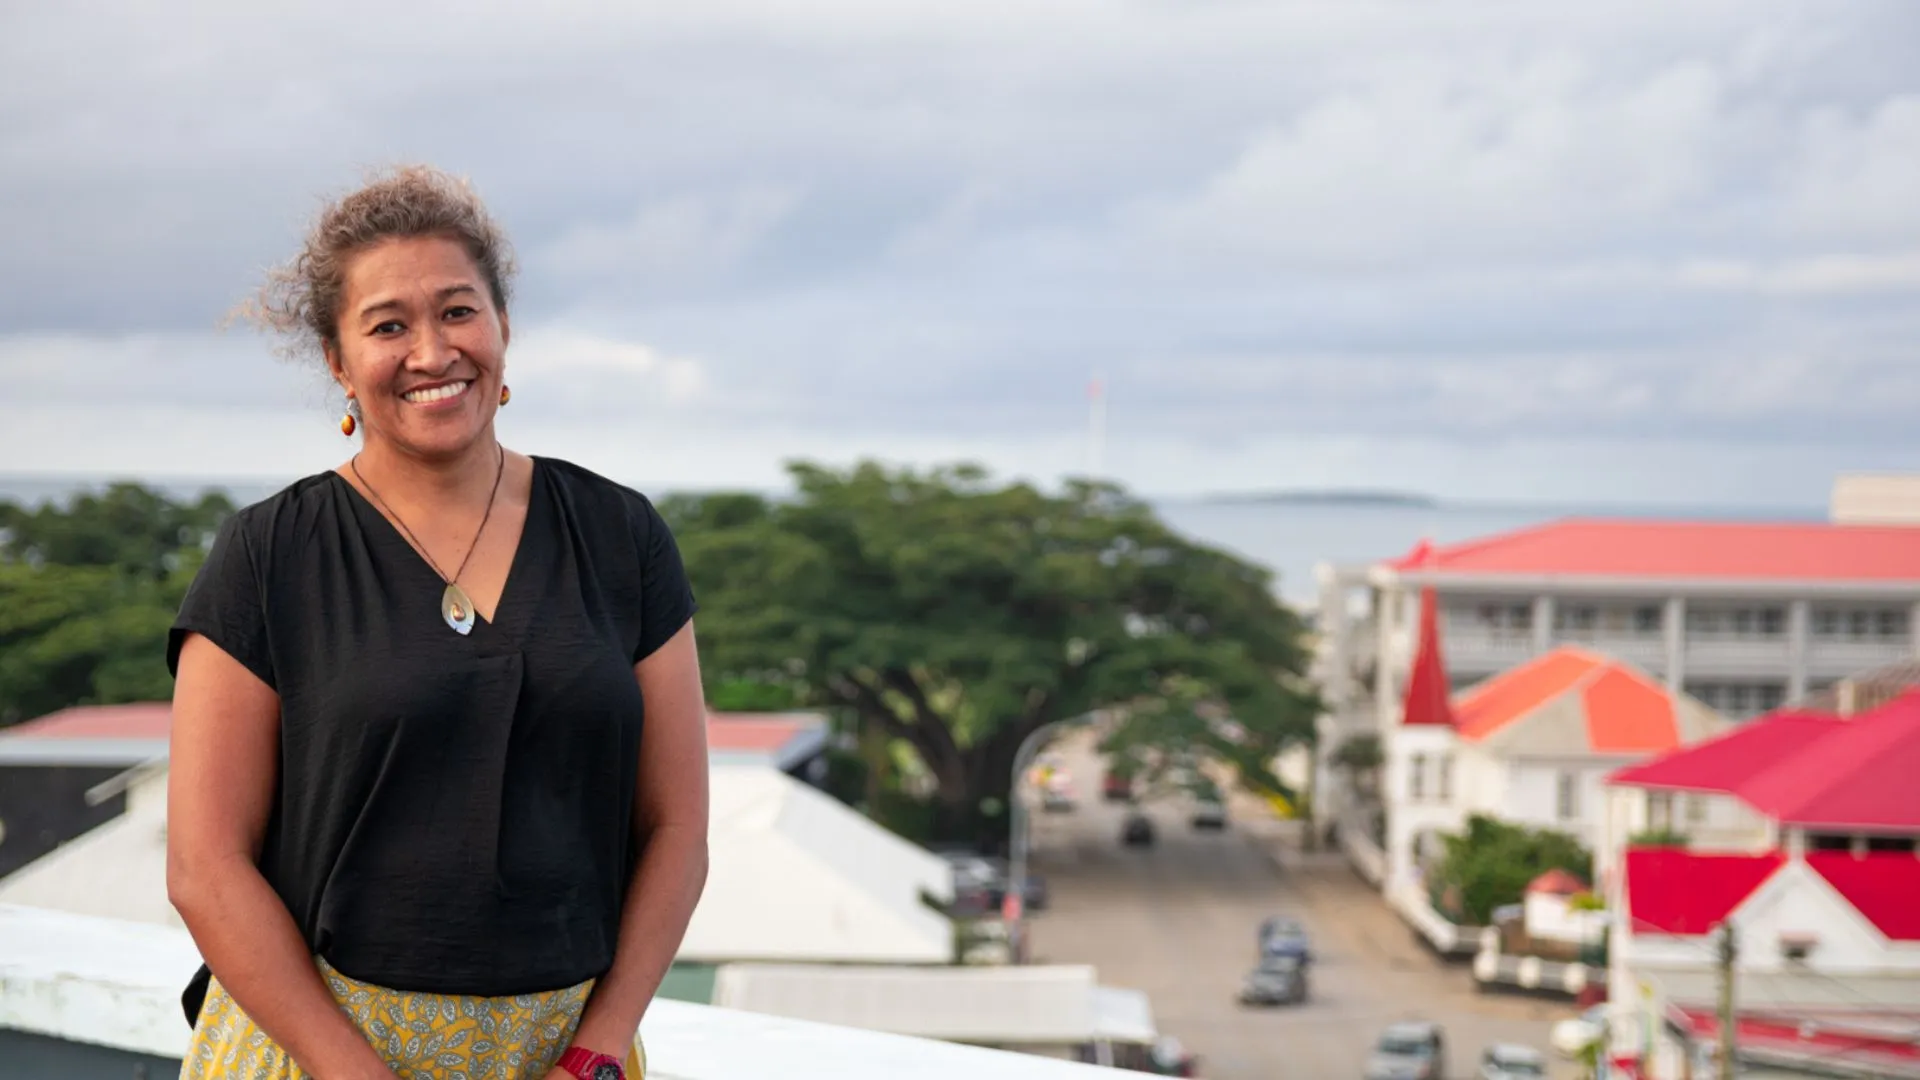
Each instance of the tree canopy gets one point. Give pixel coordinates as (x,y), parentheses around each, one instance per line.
(87,592)
(959,615)
(1492,863)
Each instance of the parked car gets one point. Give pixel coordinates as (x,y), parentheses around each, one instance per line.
(980,884)
(1057,798)
(1281,936)
(1511,1061)
(1138,831)
(1116,787)
(1279,980)
(1209,814)
(1415,1050)
(1576,1033)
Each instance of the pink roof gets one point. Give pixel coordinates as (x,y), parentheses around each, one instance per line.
(1427,687)
(1675,891)
(1625,711)
(1727,761)
(1557,882)
(139,720)
(1881,885)
(1801,551)
(1808,769)
(1862,775)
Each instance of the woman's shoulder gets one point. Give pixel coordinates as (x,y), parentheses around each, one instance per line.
(288,514)
(594,491)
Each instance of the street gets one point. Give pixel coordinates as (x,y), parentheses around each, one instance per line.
(1179,920)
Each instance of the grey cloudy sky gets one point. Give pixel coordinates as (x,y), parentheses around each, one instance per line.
(1646,251)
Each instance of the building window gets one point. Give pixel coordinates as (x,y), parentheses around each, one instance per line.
(1566,797)
(1660,811)
(1443,783)
(1696,810)
(1891,624)
(1416,777)
(1647,620)
(1577,617)
(1741,622)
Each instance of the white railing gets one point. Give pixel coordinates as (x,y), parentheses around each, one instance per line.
(1647,651)
(1367,858)
(103,982)
(1475,649)
(1447,938)
(1710,654)
(1841,657)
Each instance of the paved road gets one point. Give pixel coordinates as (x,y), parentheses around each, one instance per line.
(1179,921)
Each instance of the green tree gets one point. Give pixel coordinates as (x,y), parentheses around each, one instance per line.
(87,593)
(1493,861)
(957,616)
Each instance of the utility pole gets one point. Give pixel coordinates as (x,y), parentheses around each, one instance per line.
(1729,950)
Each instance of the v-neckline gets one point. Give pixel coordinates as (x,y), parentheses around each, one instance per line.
(514,571)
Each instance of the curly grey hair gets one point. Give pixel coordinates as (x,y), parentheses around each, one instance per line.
(301,300)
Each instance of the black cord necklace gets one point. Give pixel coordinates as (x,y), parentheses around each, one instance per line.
(455,606)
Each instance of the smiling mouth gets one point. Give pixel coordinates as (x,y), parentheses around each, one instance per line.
(443,392)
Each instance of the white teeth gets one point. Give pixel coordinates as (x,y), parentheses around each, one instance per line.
(437,393)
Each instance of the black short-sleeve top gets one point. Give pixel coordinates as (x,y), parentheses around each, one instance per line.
(453,814)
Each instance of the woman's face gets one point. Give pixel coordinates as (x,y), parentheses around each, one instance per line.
(421,347)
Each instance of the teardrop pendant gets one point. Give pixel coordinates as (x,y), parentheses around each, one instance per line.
(457,609)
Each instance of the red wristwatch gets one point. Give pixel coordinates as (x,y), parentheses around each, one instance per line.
(588,1065)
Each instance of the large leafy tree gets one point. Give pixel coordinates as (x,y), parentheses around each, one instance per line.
(957,615)
(87,592)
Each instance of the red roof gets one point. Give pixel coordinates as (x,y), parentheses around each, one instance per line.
(1427,687)
(1862,775)
(1802,551)
(139,720)
(1808,769)
(1675,891)
(1825,1043)
(1625,711)
(1881,885)
(1727,761)
(1557,882)
(755,732)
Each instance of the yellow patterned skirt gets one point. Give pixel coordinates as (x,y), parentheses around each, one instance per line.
(422,1036)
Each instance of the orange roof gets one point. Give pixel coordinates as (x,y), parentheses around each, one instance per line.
(1625,711)
(1748,551)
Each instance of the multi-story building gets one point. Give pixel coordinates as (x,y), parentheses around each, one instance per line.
(1739,616)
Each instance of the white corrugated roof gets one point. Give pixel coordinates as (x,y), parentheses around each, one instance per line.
(997,1005)
(797,875)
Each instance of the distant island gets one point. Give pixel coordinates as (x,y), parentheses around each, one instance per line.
(1401,499)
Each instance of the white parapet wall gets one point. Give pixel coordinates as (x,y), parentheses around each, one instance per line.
(104,982)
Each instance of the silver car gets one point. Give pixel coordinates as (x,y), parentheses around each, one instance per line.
(1511,1061)
(1415,1050)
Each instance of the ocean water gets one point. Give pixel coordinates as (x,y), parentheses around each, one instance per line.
(1289,537)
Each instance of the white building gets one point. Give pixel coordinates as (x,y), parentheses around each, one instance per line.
(1806,843)
(1739,616)
(1530,746)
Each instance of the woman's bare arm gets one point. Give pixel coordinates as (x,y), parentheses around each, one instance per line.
(223,766)
(670,821)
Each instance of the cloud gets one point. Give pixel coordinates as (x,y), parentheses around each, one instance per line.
(860,226)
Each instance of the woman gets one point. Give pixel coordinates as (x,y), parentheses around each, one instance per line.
(414,825)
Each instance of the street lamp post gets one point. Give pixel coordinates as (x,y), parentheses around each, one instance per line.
(1017,861)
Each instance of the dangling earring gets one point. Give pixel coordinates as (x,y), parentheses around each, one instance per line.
(506,395)
(347,425)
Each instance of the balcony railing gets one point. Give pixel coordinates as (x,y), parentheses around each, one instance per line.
(1477,649)
(1841,657)
(1646,651)
(1714,654)
(102,983)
